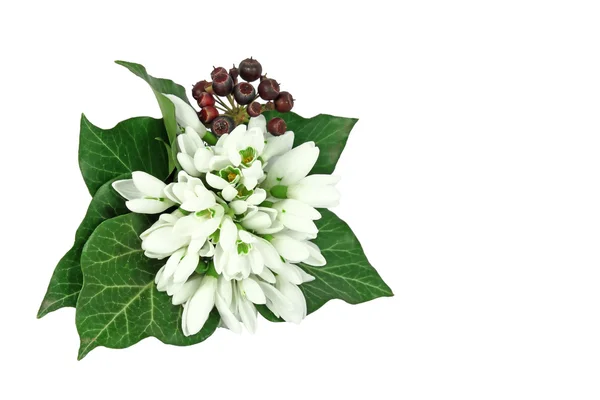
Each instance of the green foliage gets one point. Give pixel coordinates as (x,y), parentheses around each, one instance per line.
(119,304)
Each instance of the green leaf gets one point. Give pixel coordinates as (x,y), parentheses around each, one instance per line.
(131,145)
(329,133)
(348,274)
(160,86)
(119,304)
(67,279)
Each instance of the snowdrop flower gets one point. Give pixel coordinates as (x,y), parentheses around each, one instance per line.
(285,300)
(190,144)
(208,292)
(160,240)
(296,215)
(186,115)
(144,193)
(287,178)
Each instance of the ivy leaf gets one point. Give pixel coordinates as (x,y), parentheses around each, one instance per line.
(329,133)
(67,279)
(131,145)
(348,275)
(119,304)
(160,86)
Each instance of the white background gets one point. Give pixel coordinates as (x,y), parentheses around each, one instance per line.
(471,180)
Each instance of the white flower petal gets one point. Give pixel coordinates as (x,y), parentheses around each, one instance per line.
(276,298)
(316,196)
(148,206)
(292,166)
(258,122)
(239,206)
(229,193)
(216,181)
(267,275)
(186,267)
(247,314)
(259,220)
(200,305)
(227,317)
(187,163)
(202,159)
(315,259)
(278,145)
(186,115)
(251,289)
(228,235)
(187,291)
(295,207)
(163,241)
(299,224)
(298,311)
(290,249)
(225,290)
(217,163)
(257,197)
(127,189)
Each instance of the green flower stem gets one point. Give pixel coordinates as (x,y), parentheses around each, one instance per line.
(210,138)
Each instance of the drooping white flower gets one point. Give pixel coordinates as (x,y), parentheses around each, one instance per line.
(144,193)
(292,166)
(316,191)
(160,240)
(296,215)
(186,115)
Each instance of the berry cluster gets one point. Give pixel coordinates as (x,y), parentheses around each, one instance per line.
(242,98)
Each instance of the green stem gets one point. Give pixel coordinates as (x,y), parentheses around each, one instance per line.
(221,102)
(210,138)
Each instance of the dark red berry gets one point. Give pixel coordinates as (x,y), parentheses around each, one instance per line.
(250,69)
(222,84)
(276,126)
(268,89)
(216,71)
(222,125)
(199,88)
(269,106)
(208,113)
(284,102)
(206,99)
(244,93)
(254,109)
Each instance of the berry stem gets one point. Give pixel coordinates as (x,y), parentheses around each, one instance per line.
(221,102)
(220,108)
(230,98)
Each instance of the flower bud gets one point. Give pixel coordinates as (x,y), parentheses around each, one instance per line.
(284,102)
(205,99)
(268,89)
(222,125)
(250,70)
(222,84)
(254,109)
(276,126)
(244,93)
(208,113)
